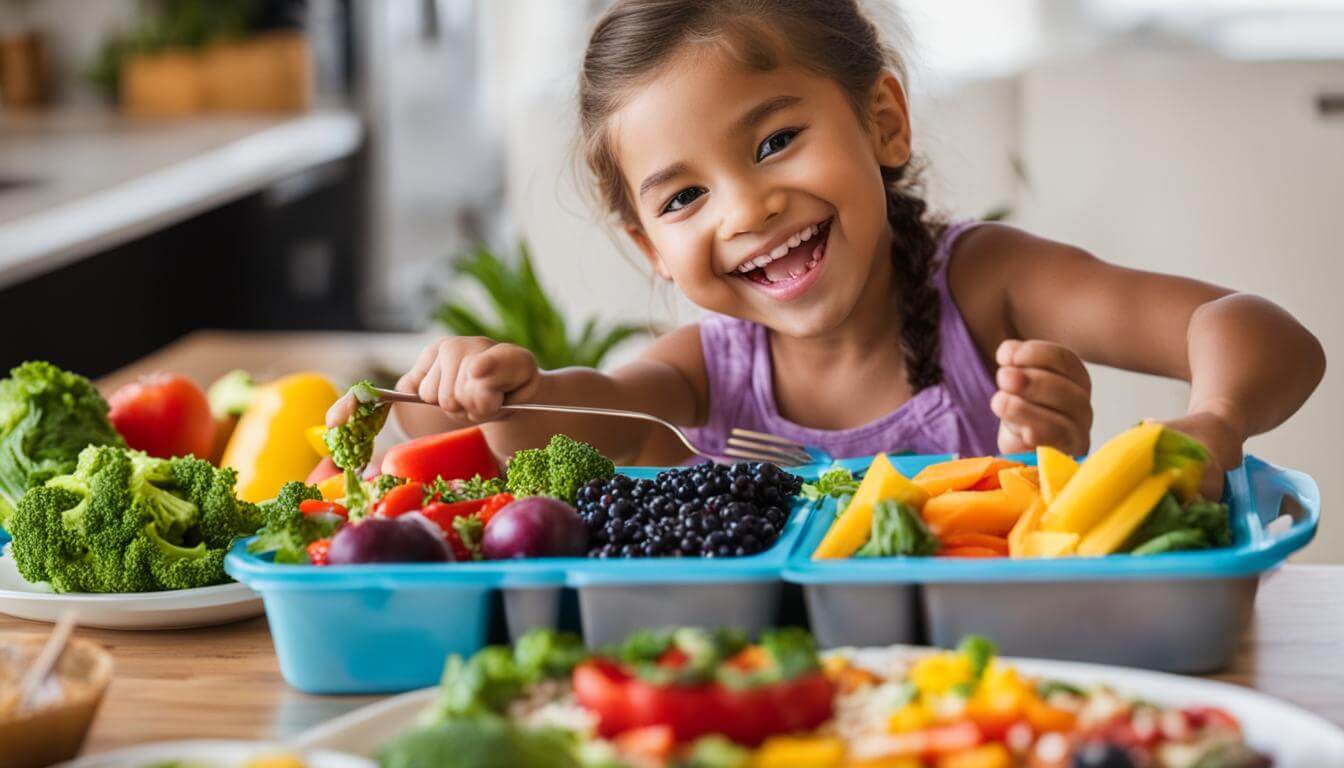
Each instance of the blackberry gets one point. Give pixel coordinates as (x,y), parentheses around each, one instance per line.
(702,511)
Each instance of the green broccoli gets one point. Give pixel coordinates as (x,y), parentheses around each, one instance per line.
(288,531)
(556,470)
(126,522)
(47,416)
(351,444)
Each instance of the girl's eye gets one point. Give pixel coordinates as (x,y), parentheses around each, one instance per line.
(682,199)
(775,143)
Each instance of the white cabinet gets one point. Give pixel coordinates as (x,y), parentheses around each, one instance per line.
(1222,170)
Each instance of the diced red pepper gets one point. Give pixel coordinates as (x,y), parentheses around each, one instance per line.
(400,500)
(318,550)
(457,455)
(321,507)
(493,504)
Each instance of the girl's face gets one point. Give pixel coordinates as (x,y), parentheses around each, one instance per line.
(759,192)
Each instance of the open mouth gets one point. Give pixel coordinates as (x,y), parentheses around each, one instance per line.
(789,268)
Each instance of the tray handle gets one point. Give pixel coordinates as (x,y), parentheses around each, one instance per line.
(1270,485)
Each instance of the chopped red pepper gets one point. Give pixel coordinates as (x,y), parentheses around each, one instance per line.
(400,500)
(318,551)
(320,507)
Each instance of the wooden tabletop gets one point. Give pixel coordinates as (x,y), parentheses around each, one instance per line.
(224,682)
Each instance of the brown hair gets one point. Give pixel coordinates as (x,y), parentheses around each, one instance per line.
(832,38)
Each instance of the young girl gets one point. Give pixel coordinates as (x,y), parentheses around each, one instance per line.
(759,154)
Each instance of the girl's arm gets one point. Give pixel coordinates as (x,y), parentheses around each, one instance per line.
(1250,364)
(469,378)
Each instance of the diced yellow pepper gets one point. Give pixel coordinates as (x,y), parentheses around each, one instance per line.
(933,675)
(1104,480)
(1049,544)
(268,448)
(1115,528)
(912,717)
(984,756)
(1056,467)
(1028,523)
(799,752)
(852,528)
(333,488)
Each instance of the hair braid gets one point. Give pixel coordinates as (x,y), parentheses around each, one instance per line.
(913,249)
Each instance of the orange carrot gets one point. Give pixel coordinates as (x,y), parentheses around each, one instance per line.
(958,539)
(991,512)
(960,474)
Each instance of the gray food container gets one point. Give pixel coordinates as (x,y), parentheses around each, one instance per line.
(1180,612)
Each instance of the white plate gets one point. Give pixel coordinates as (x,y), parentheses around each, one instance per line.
(178,609)
(213,754)
(1294,737)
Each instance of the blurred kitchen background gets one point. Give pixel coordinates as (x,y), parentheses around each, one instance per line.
(336,165)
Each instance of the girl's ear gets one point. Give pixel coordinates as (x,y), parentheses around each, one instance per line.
(889,121)
(645,246)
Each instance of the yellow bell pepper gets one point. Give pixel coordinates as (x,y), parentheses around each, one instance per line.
(1028,523)
(1056,468)
(1104,480)
(912,717)
(799,752)
(933,675)
(268,448)
(1108,535)
(890,761)
(315,435)
(1049,544)
(853,527)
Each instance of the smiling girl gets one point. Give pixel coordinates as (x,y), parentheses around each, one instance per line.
(759,155)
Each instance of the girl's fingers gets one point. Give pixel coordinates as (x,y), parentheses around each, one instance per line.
(340,411)
(1010,441)
(1036,425)
(410,381)
(1050,390)
(1044,354)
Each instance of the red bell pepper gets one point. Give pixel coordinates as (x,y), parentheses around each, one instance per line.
(322,507)
(458,455)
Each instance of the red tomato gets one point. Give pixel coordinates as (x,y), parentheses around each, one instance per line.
(324,469)
(623,702)
(455,455)
(164,415)
(1212,717)
(322,507)
(400,500)
(443,514)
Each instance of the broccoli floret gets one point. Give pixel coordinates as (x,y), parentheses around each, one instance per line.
(351,444)
(288,531)
(47,416)
(557,470)
(127,522)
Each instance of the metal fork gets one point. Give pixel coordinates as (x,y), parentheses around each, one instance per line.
(742,443)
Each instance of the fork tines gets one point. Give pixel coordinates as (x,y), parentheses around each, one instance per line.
(760,446)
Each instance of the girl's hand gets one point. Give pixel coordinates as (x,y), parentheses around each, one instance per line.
(468,377)
(1224,441)
(1044,397)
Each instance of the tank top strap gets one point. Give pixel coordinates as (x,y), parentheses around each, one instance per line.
(965,374)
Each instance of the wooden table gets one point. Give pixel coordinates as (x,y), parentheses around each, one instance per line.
(224,682)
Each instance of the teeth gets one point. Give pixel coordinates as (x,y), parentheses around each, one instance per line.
(782,250)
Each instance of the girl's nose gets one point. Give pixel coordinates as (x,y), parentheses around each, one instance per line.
(748,209)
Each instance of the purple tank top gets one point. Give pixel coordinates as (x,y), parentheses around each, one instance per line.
(952,416)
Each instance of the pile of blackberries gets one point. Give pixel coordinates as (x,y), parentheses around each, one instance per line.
(709,510)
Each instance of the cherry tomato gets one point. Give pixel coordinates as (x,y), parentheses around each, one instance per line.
(318,551)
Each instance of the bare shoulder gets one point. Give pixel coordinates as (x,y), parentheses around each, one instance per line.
(987,266)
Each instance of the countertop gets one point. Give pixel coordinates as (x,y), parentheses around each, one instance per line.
(224,682)
(74,183)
